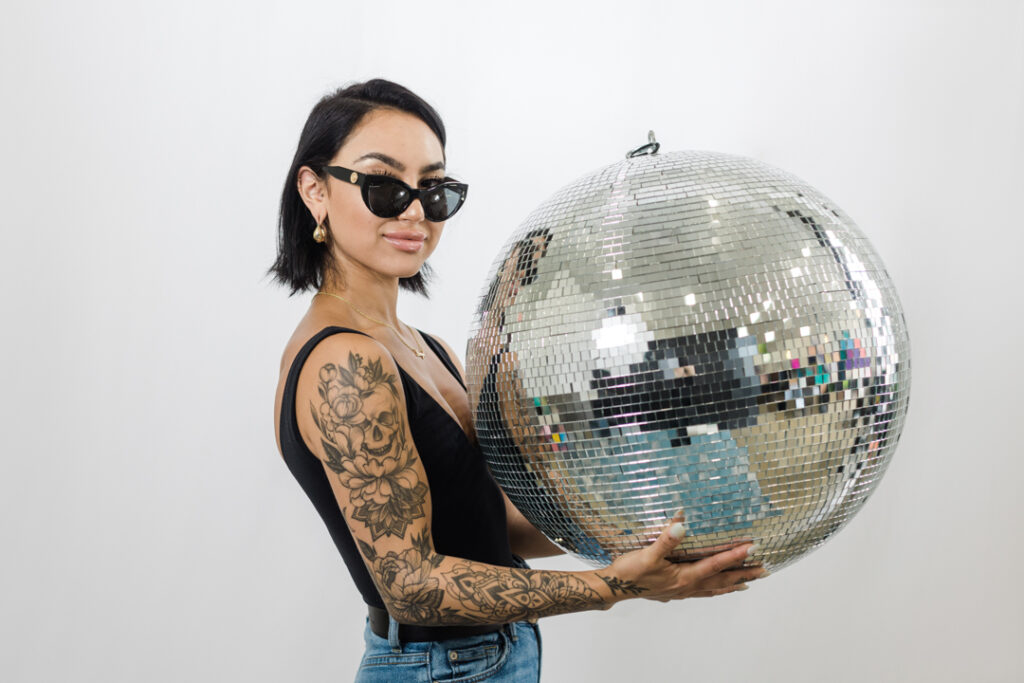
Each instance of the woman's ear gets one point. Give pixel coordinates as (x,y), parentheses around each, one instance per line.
(314,193)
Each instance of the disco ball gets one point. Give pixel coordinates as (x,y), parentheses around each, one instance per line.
(696,331)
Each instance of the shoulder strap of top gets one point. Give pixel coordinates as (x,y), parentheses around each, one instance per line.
(443,355)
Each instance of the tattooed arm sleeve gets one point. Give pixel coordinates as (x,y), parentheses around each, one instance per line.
(357,425)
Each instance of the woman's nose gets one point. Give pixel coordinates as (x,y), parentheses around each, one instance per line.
(413,212)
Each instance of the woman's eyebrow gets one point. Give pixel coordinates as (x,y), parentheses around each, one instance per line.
(436,166)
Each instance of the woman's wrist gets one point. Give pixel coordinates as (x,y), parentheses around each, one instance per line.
(614,588)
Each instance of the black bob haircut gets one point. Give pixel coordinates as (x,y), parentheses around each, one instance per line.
(301,261)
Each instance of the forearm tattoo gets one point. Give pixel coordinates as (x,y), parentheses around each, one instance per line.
(620,587)
(510,594)
(472,592)
(363,434)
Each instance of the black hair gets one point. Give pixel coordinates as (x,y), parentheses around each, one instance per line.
(302,262)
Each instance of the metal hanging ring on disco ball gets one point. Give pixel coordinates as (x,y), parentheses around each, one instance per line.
(650,148)
(695,331)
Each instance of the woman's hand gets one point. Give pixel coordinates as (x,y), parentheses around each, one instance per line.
(646,573)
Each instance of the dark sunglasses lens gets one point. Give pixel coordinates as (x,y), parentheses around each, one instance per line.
(385,197)
(441,202)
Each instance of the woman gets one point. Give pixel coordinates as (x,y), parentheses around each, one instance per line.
(372,417)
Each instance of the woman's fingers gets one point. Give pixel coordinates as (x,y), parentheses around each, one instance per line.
(712,549)
(732,577)
(709,566)
(710,592)
(670,536)
(720,591)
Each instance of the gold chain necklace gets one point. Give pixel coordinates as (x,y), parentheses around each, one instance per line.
(417,351)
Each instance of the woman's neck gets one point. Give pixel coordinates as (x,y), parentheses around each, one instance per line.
(375,301)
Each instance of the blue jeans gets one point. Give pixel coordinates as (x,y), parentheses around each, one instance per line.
(509,655)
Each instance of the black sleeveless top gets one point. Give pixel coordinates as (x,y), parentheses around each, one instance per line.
(468,511)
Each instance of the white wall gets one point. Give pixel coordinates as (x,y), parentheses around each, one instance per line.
(149,529)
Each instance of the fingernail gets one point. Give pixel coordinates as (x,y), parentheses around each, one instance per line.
(753,549)
(680,512)
(766,573)
(677,531)
(742,587)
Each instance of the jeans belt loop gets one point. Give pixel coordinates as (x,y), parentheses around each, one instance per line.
(393,641)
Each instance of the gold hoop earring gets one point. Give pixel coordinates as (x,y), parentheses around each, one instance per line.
(319,233)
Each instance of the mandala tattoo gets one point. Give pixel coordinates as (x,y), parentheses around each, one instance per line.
(477,593)
(509,594)
(618,586)
(363,434)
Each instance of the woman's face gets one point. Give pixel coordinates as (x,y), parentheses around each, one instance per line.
(391,143)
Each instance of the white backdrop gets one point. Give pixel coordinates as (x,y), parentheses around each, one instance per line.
(150,530)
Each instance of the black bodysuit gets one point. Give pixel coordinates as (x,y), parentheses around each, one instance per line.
(468,511)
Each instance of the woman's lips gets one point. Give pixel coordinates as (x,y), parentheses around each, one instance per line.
(402,241)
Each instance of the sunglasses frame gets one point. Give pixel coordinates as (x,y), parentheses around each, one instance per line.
(357,178)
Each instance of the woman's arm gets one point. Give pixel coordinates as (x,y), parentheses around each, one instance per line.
(525,539)
(357,425)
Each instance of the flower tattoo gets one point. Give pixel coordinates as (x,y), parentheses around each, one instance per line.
(362,433)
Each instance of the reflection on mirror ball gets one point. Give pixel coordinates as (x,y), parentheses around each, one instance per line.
(695,331)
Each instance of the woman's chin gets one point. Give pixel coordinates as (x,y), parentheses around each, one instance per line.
(407,274)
